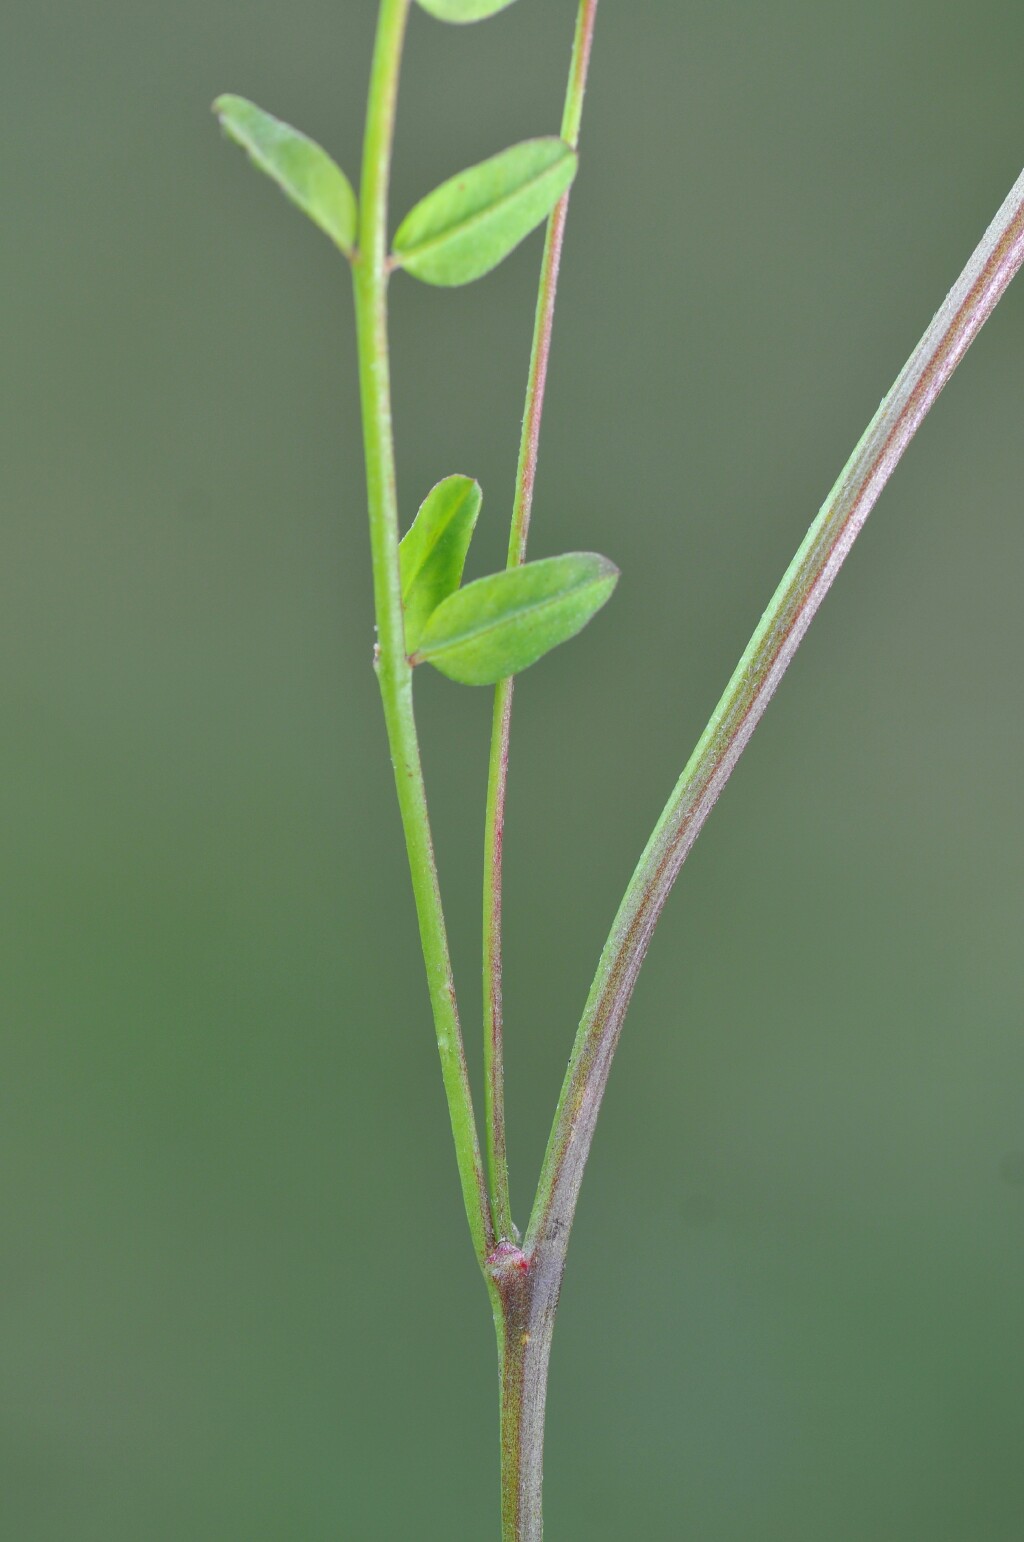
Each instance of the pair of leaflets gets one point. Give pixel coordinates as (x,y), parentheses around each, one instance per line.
(497,626)
(459,232)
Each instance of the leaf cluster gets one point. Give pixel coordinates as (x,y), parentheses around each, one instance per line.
(496,627)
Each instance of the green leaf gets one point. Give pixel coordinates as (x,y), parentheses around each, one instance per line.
(301,169)
(464,10)
(499,625)
(469,224)
(433,550)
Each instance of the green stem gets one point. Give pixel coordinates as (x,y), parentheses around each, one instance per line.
(767,657)
(394,672)
(497,777)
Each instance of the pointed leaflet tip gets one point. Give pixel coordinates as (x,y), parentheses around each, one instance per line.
(302,169)
(500,625)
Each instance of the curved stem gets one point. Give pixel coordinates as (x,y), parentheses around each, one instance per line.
(767,657)
(394,672)
(497,778)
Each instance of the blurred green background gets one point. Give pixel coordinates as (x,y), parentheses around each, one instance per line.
(238,1299)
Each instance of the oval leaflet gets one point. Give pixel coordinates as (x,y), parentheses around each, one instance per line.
(302,169)
(500,625)
(470,224)
(433,550)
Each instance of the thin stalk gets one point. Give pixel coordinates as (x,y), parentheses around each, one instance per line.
(394,673)
(767,657)
(497,777)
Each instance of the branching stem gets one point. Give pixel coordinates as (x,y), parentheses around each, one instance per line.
(766,659)
(530,1279)
(524,1283)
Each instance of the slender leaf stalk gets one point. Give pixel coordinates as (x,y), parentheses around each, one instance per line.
(497,778)
(394,672)
(766,659)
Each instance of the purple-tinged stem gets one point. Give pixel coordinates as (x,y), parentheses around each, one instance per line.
(768,656)
(529,1281)
(497,781)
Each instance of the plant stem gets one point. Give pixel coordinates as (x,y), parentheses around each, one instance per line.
(394,673)
(767,657)
(529,1281)
(497,777)
(524,1316)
